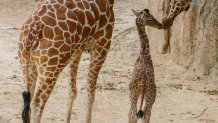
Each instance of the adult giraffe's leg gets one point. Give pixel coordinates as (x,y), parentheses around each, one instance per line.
(149,100)
(49,65)
(74,62)
(98,55)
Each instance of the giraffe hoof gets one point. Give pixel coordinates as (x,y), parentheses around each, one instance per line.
(26,107)
(140,114)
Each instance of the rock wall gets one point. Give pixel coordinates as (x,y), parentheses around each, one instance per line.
(193,36)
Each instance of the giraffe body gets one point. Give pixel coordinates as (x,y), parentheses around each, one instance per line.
(142,82)
(55,35)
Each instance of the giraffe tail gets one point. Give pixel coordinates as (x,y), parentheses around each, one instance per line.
(26,107)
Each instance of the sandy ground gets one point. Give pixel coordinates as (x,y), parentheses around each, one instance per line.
(183,96)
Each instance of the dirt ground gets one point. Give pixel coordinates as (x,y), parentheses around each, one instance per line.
(182,97)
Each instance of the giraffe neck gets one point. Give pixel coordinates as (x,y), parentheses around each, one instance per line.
(144,42)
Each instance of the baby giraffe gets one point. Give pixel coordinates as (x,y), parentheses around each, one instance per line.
(142,82)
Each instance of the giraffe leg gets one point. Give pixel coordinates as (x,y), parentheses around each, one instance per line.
(149,101)
(48,71)
(98,56)
(133,109)
(72,85)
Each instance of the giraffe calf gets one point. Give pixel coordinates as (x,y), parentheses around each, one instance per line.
(142,82)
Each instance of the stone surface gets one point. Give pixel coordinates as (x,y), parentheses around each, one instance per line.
(193,36)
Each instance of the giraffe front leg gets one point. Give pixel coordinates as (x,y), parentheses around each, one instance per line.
(98,56)
(72,84)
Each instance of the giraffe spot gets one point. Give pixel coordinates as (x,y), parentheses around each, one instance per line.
(44,44)
(65,48)
(102,5)
(61,16)
(63,26)
(52,52)
(43,52)
(70,5)
(86,31)
(103,52)
(58,44)
(80,5)
(72,26)
(56,6)
(61,66)
(49,21)
(49,74)
(99,49)
(50,69)
(53,61)
(98,34)
(44,87)
(90,18)
(48,91)
(86,4)
(51,14)
(112,18)
(44,97)
(37,101)
(20,46)
(103,21)
(41,70)
(44,58)
(107,46)
(42,11)
(37,53)
(36,18)
(48,33)
(109,31)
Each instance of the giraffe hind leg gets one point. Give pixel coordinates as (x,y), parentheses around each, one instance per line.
(26,107)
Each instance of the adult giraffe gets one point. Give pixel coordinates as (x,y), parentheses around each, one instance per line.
(57,34)
(173,8)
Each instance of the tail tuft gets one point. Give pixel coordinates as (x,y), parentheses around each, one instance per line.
(26,107)
(140,114)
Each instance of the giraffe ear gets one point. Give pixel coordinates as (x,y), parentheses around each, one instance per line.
(135,12)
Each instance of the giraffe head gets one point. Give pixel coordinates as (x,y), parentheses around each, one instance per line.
(175,8)
(144,18)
